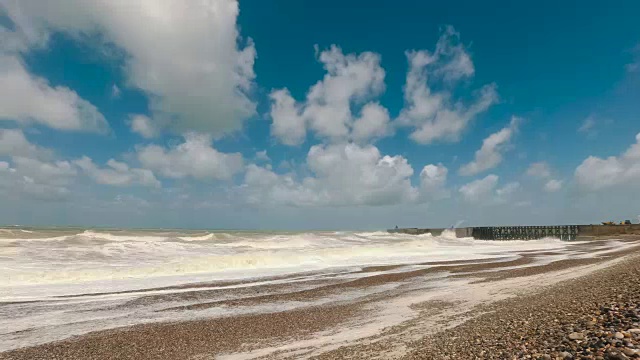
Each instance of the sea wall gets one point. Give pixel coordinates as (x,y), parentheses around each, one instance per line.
(607,230)
(417,231)
(583,231)
(464,232)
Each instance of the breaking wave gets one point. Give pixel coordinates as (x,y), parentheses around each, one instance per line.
(42,257)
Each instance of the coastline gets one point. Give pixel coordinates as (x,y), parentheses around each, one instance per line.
(542,323)
(414,317)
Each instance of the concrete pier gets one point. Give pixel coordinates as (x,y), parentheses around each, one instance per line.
(564,232)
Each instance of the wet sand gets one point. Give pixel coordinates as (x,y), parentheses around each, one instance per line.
(419,311)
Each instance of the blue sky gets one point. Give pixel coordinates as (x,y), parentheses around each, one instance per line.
(318,115)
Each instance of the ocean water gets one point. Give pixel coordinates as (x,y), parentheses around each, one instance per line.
(48,263)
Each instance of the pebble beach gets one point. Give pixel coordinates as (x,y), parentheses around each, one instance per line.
(592,317)
(579,302)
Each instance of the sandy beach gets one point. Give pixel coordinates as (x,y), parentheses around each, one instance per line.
(524,305)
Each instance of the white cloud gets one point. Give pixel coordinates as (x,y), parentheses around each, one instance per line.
(36,179)
(596,173)
(35,173)
(183,54)
(372,123)
(350,81)
(539,169)
(343,175)
(30,172)
(553,185)
(288,124)
(143,125)
(355,174)
(490,154)
(53,173)
(25,98)
(437,115)
(14,143)
(262,156)
(433,179)
(349,78)
(264,187)
(479,189)
(508,190)
(117,173)
(193,158)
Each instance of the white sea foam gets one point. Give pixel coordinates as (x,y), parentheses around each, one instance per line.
(137,259)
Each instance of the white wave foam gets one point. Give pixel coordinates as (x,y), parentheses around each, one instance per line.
(210,236)
(91,255)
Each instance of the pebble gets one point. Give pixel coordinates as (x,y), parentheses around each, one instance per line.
(615,355)
(576,336)
(628,352)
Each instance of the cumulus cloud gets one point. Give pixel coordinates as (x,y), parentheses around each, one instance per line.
(25,98)
(479,189)
(36,179)
(288,125)
(32,161)
(117,173)
(490,154)
(596,173)
(433,179)
(486,189)
(345,175)
(372,123)
(52,173)
(437,115)
(14,143)
(195,158)
(143,125)
(553,185)
(185,55)
(539,169)
(32,172)
(542,170)
(508,189)
(355,174)
(351,80)
(264,187)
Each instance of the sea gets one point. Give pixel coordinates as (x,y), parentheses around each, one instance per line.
(37,263)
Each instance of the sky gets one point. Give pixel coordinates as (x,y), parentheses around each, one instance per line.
(295,115)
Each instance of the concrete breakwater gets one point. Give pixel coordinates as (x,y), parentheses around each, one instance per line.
(564,232)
